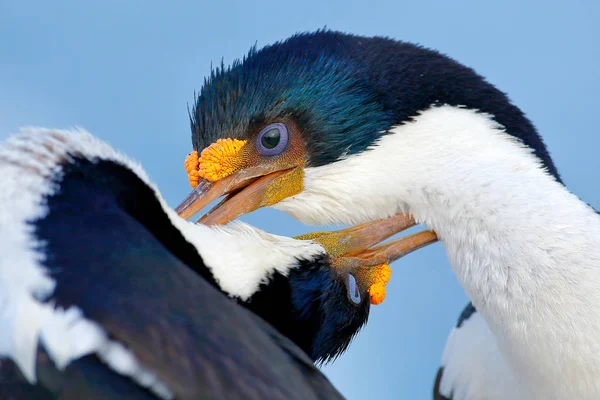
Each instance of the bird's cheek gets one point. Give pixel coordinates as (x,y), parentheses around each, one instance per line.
(289,184)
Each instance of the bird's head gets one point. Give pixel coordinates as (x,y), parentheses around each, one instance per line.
(336,128)
(263,123)
(322,298)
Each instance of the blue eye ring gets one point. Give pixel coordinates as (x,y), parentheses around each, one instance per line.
(272,140)
(353,291)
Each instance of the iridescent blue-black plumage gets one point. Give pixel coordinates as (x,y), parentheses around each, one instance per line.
(344,91)
(322,92)
(115,255)
(310,306)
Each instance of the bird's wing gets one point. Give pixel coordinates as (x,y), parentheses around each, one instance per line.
(472,366)
(128,317)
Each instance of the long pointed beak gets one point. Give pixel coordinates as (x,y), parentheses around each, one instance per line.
(389,252)
(246,191)
(361,243)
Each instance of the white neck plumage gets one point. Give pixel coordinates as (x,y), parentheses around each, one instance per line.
(524,248)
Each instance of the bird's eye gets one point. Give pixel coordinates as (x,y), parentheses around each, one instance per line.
(353,291)
(272,139)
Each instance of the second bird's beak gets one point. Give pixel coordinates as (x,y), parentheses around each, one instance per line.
(362,243)
(359,251)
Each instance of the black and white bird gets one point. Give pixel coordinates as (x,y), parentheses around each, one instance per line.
(106,293)
(336,128)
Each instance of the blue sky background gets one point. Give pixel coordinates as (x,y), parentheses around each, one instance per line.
(126,70)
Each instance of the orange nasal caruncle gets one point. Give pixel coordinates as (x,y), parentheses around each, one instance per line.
(191,167)
(217,161)
(382,276)
(377,293)
(220,159)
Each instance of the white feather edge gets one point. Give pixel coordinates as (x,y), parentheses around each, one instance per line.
(28,163)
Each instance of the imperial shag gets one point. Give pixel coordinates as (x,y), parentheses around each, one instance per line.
(336,128)
(106,293)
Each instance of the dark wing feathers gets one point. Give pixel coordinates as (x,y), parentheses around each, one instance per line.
(85,378)
(109,263)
